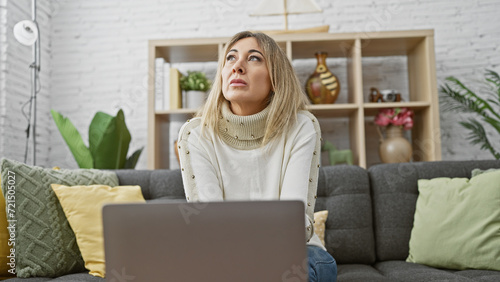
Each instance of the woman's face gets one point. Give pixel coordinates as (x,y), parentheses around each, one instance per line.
(245,78)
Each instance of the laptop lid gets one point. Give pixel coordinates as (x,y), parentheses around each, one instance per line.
(217,241)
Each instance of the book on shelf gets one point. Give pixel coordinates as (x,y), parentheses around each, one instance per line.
(168,94)
(159,80)
(166,86)
(175,89)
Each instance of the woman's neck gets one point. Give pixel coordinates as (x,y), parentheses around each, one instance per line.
(242,132)
(246,109)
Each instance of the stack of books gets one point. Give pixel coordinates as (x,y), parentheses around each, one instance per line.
(168,94)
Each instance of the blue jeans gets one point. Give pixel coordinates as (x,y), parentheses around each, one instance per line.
(322,266)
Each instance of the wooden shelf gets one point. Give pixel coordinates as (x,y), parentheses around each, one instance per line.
(333,110)
(371,109)
(416,45)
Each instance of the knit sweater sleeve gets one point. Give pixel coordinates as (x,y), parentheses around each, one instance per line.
(300,180)
(199,175)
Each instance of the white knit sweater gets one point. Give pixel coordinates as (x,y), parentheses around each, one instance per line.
(236,166)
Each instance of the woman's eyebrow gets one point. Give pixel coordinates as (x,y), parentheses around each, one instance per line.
(254,50)
(249,51)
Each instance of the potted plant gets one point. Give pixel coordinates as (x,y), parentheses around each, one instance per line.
(394,148)
(486,107)
(195,85)
(109,141)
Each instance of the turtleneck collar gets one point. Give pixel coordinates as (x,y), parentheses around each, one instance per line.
(242,132)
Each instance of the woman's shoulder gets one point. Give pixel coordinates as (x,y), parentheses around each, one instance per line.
(189,128)
(305,115)
(308,120)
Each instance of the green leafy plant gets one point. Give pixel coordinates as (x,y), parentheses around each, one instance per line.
(109,141)
(195,80)
(459,98)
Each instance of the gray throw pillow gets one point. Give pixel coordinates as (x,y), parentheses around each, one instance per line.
(45,244)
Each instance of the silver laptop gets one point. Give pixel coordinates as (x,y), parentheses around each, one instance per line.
(218,241)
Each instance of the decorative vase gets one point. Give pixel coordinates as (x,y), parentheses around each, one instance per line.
(394,148)
(322,86)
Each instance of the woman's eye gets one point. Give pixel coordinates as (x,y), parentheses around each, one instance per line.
(254,58)
(230,58)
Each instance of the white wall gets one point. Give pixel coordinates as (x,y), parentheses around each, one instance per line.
(98,55)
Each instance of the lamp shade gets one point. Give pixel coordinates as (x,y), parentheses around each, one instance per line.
(26,32)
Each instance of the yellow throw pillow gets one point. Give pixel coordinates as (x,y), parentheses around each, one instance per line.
(4,239)
(82,206)
(319,224)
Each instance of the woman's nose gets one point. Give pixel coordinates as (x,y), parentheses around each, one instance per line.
(238,67)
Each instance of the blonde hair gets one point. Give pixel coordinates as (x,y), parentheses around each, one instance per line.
(286,100)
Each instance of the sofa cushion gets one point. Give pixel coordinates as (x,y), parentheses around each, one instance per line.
(407,271)
(45,244)
(344,191)
(395,191)
(77,277)
(82,206)
(320,218)
(6,268)
(457,223)
(360,273)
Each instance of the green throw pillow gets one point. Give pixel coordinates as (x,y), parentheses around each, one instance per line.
(45,243)
(457,223)
(478,171)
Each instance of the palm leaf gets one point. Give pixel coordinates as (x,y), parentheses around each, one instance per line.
(132,160)
(494,123)
(478,135)
(459,98)
(494,102)
(74,140)
(109,139)
(467,97)
(456,101)
(494,78)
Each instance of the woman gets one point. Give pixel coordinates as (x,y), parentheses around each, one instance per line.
(253,139)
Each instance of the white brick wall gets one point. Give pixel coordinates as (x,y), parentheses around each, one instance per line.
(98,57)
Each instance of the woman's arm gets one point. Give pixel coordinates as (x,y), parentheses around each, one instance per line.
(301,175)
(198,167)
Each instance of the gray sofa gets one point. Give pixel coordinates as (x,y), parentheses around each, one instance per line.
(369,222)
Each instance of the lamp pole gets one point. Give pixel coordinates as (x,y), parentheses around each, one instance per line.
(35,69)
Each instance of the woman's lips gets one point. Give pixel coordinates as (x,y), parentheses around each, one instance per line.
(238,82)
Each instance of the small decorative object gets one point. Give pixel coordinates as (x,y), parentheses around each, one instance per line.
(109,141)
(286,7)
(195,85)
(388,95)
(459,98)
(337,156)
(322,87)
(394,148)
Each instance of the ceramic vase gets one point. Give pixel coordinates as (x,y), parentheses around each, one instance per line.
(194,99)
(323,86)
(394,148)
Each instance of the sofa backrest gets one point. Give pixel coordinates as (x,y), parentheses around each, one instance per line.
(395,192)
(345,192)
(160,184)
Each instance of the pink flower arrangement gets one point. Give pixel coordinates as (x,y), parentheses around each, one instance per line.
(395,116)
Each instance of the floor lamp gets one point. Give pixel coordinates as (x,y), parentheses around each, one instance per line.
(27,33)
